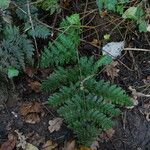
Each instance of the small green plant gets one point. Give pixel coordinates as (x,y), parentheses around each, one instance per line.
(87,105)
(16,43)
(50,5)
(16,49)
(136,13)
(63,49)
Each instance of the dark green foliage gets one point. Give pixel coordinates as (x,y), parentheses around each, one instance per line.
(50,5)
(16,46)
(16,49)
(64,48)
(124,6)
(39,31)
(87,105)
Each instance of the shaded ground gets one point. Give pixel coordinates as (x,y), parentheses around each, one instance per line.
(132,131)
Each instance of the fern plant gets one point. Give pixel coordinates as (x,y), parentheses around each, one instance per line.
(39,31)
(16,49)
(16,46)
(87,105)
(63,49)
(50,5)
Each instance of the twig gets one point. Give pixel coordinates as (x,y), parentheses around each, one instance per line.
(32,26)
(136,49)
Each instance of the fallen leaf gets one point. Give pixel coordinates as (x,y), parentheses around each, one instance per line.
(95,145)
(96,42)
(30,71)
(22,140)
(145,110)
(104,13)
(49,145)
(8,145)
(107,134)
(32,112)
(147,80)
(70,145)
(35,139)
(55,124)
(30,147)
(35,86)
(32,118)
(112,70)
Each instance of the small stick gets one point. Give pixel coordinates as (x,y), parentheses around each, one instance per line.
(32,26)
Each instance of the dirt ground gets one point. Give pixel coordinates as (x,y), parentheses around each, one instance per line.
(132,130)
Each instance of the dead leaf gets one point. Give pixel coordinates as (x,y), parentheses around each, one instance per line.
(32,112)
(70,145)
(107,134)
(55,124)
(49,145)
(112,70)
(95,145)
(145,110)
(96,42)
(35,139)
(30,71)
(8,145)
(31,147)
(35,86)
(22,140)
(32,118)
(147,80)
(104,13)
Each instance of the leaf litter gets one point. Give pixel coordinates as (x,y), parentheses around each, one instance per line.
(32,112)
(55,124)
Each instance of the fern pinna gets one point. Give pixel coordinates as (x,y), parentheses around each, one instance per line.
(88,106)
(63,49)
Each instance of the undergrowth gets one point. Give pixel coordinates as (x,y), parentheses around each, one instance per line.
(88,106)
(18,44)
(135,11)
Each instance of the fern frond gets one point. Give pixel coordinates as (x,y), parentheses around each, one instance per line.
(111,93)
(17,48)
(63,49)
(50,5)
(60,77)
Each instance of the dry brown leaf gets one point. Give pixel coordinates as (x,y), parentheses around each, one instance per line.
(35,138)
(112,70)
(95,145)
(30,71)
(49,145)
(35,86)
(107,134)
(96,42)
(147,80)
(145,110)
(32,118)
(8,145)
(104,13)
(70,145)
(55,124)
(32,112)
(22,140)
